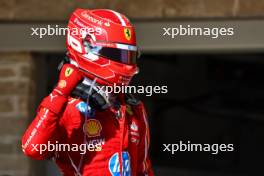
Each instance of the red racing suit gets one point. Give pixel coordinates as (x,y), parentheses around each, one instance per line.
(117,146)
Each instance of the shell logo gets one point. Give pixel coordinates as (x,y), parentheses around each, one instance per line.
(62,84)
(92,128)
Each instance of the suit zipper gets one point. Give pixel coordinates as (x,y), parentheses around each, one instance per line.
(122,138)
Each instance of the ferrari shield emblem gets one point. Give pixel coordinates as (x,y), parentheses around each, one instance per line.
(68,71)
(127,33)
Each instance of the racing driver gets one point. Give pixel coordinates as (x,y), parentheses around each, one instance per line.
(80,111)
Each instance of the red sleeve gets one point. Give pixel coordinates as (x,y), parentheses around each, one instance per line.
(44,129)
(144,163)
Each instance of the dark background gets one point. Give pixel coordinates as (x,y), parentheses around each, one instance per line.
(211,99)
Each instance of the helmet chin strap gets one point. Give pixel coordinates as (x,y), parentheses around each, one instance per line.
(92,86)
(97,96)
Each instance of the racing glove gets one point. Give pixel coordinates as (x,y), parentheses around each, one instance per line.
(69,77)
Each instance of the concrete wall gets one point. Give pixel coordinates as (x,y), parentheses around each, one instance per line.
(37,10)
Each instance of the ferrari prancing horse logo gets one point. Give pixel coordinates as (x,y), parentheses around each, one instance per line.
(127,33)
(68,71)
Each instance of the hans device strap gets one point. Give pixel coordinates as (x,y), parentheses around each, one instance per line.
(95,99)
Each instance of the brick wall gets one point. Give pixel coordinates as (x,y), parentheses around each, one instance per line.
(16,93)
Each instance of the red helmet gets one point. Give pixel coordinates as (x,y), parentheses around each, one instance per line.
(102,43)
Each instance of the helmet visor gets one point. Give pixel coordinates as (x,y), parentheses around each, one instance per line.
(128,55)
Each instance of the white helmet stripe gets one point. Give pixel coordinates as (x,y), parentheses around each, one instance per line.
(120,18)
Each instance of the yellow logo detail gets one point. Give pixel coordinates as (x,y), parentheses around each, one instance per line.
(129,110)
(68,71)
(127,33)
(92,128)
(62,84)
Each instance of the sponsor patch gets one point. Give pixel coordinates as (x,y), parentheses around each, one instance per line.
(68,71)
(62,84)
(92,128)
(52,97)
(127,33)
(134,132)
(134,126)
(114,164)
(100,141)
(83,107)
